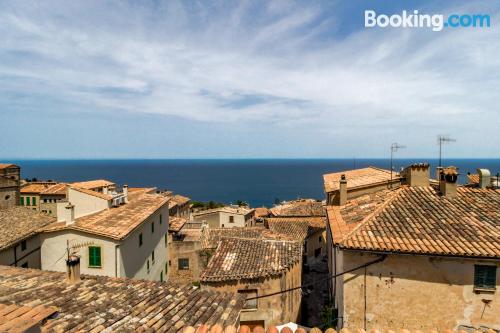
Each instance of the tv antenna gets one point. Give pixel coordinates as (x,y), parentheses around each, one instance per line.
(441,140)
(394,148)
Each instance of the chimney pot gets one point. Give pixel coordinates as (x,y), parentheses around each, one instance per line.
(417,174)
(125,192)
(448,181)
(342,195)
(73,269)
(484,178)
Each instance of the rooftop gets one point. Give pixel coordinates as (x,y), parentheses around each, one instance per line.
(90,184)
(116,222)
(175,224)
(19,319)
(298,228)
(180,200)
(302,207)
(237,258)
(93,193)
(36,187)
(97,303)
(358,178)
(420,220)
(261,212)
(18,223)
(210,237)
(57,189)
(225,209)
(7,165)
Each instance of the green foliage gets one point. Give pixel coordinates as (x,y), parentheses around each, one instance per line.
(328,317)
(206,205)
(241,203)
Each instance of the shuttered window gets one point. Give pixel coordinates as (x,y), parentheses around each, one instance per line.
(485,276)
(22,201)
(94,256)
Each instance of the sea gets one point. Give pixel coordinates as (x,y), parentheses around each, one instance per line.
(259,182)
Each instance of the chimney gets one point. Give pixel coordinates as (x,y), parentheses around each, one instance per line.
(105,190)
(484,178)
(70,213)
(125,192)
(65,212)
(73,269)
(417,174)
(448,181)
(342,196)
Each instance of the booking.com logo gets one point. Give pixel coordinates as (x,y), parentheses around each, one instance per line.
(436,22)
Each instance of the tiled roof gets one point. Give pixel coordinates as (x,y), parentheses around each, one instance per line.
(420,220)
(93,193)
(57,189)
(19,319)
(176,223)
(358,178)
(35,187)
(237,258)
(180,200)
(303,207)
(116,222)
(99,303)
(211,236)
(298,228)
(226,209)
(473,178)
(19,223)
(261,212)
(7,165)
(208,328)
(90,184)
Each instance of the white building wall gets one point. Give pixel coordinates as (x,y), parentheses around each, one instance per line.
(86,204)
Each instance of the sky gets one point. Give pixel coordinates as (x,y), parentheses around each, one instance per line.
(247,79)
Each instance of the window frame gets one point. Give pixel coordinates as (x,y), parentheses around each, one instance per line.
(153,227)
(485,270)
(246,292)
(182,267)
(90,256)
(141,241)
(24,245)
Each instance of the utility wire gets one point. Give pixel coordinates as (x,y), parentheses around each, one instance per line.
(380,259)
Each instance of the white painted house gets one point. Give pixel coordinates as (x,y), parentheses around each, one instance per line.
(115,234)
(226,217)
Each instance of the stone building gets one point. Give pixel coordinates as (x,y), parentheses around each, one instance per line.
(51,196)
(257,268)
(226,217)
(19,236)
(40,301)
(420,256)
(10,182)
(30,194)
(180,206)
(116,234)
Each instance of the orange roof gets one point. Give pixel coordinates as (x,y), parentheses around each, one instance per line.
(35,187)
(301,207)
(261,212)
(298,228)
(117,222)
(58,189)
(175,224)
(359,178)
(473,178)
(420,220)
(18,319)
(7,165)
(93,193)
(90,184)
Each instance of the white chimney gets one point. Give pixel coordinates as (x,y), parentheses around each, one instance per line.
(484,178)
(125,192)
(105,190)
(70,213)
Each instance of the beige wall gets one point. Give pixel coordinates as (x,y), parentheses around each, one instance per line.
(220,219)
(188,250)
(29,256)
(119,258)
(85,204)
(50,207)
(25,197)
(316,241)
(415,292)
(274,310)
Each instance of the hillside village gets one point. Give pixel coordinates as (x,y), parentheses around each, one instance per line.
(412,251)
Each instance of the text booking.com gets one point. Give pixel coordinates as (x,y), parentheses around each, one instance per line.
(436,22)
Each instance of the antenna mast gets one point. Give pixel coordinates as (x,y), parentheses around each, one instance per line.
(394,148)
(441,140)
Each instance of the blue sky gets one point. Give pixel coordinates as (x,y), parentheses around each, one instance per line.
(249,79)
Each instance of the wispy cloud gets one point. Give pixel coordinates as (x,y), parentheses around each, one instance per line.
(276,63)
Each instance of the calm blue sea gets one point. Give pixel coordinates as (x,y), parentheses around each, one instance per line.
(257,181)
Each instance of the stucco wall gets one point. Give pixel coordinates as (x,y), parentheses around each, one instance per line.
(86,204)
(184,249)
(415,292)
(218,219)
(314,242)
(273,310)
(30,256)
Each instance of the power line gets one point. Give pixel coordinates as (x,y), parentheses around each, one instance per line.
(380,259)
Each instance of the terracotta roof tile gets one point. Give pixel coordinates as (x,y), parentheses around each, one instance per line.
(93,193)
(19,223)
(122,305)
(116,222)
(19,319)
(91,184)
(210,237)
(237,258)
(261,212)
(57,189)
(180,200)
(298,228)
(303,207)
(358,178)
(175,224)
(7,165)
(420,220)
(35,187)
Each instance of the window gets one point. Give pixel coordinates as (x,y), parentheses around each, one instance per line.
(223,226)
(7,197)
(140,239)
(153,257)
(22,201)
(161,276)
(25,265)
(231,219)
(152,227)
(34,201)
(485,276)
(28,201)
(166,239)
(252,303)
(94,256)
(183,263)
(166,267)
(44,200)
(161,220)
(147,265)
(23,245)
(317,252)
(320,239)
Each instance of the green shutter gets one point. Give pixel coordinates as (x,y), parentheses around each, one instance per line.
(34,201)
(28,201)
(22,201)
(485,276)
(94,256)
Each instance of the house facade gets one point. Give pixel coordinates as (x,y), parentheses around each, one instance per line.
(419,256)
(258,269)
(226,217)
(10,180)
